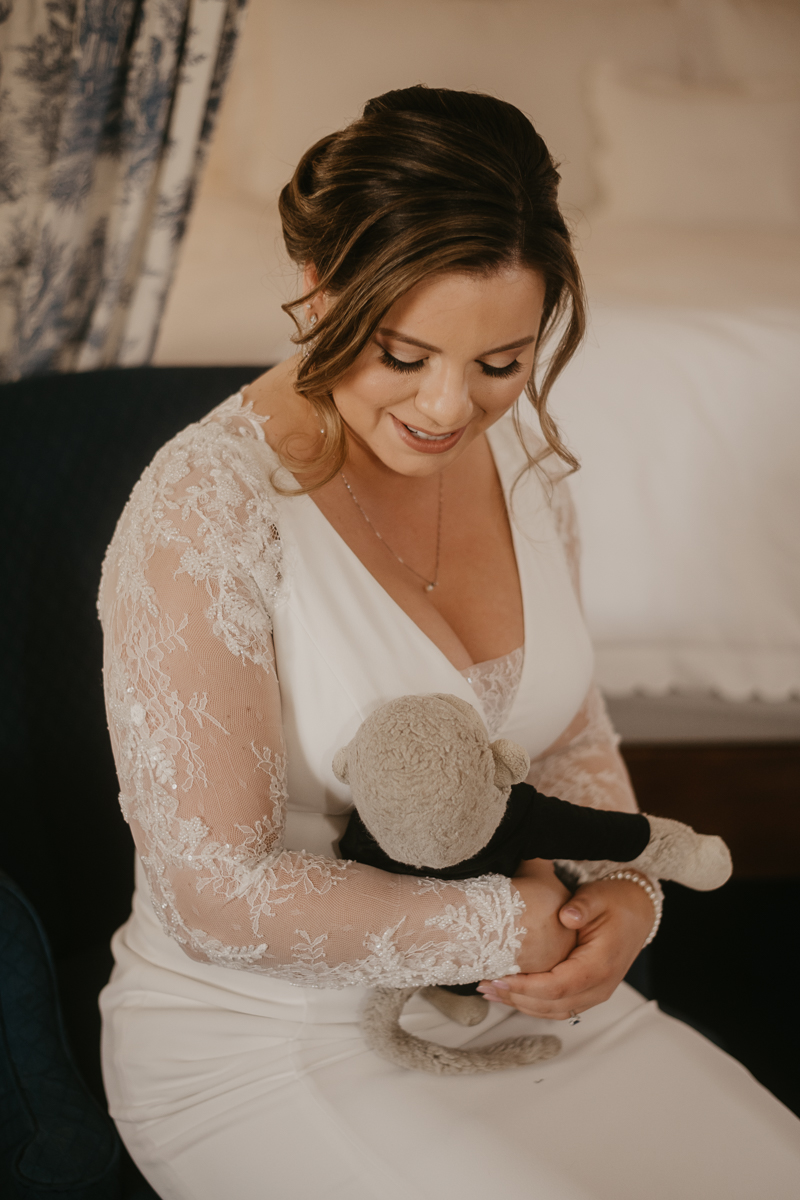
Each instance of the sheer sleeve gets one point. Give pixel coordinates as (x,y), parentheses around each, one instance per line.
(584,765)
(193,700)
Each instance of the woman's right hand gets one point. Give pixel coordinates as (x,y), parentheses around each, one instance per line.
(546,942)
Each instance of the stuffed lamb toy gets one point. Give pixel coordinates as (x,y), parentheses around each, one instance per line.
(434,797)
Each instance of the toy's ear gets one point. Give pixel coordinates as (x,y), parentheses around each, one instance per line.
(511,763)
(340,761)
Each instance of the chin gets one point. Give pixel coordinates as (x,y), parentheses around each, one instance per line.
(413,463)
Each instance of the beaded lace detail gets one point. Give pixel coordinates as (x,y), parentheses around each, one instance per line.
(190,580)
(189,583)
(495,683)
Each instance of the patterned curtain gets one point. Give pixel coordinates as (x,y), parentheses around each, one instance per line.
(106,109)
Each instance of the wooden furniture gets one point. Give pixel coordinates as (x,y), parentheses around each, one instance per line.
(749,793)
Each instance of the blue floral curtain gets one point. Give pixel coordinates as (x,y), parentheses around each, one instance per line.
(106,110)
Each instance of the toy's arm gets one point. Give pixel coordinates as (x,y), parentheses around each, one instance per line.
(556,829)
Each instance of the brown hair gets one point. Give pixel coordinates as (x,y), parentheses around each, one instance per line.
(427,180)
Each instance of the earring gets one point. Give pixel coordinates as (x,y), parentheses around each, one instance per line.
(312,322)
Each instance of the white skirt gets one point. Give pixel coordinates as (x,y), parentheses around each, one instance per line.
(231,1086)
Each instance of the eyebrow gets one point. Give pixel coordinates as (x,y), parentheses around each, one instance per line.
(401,337)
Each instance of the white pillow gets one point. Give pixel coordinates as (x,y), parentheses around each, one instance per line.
(668,153)
(755,40)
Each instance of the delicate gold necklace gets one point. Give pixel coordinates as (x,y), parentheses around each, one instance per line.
(430,584)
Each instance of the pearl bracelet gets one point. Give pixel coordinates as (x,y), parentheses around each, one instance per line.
(653,891)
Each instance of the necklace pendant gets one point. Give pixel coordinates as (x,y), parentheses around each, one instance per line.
(429,584)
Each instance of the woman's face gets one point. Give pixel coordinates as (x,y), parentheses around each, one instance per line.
(448,360)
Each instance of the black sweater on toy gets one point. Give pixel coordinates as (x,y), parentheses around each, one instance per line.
(533,826)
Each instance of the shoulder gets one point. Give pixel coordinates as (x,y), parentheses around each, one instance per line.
(209,495)
(227,443)
(222,461)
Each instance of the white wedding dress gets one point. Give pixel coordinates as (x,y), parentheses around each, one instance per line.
(245,643)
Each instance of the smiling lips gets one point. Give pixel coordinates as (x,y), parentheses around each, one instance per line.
(427,443)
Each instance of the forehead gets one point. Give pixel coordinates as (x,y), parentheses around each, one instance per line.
(464,307)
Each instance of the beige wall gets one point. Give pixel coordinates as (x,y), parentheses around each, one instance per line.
(307,67)
(304,67)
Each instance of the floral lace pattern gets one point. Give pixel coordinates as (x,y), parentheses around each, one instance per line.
(189,582)
(495,683)
(585,766)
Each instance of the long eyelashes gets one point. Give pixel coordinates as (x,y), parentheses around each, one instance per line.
(501,372)
(396,364)
(411,368)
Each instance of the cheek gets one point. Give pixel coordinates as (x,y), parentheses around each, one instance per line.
(495,398)
(366,392)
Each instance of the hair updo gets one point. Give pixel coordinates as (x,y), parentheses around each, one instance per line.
(428,180)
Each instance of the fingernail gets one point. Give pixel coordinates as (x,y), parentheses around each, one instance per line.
(498,983)
(573,913)
(491,994)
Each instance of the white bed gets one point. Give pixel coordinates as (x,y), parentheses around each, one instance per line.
(683,406)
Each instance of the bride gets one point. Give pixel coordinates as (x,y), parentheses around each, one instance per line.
(381,515)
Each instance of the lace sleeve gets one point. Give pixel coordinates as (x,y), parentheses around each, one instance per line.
(193,701)
(584,765)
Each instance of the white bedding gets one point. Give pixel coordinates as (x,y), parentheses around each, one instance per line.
(683,406)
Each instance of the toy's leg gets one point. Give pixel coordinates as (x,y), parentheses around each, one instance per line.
(464,1010)
(384,1035)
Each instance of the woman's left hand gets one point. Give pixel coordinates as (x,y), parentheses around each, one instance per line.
(613,919)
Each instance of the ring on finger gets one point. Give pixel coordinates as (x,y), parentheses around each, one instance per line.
(573,1018)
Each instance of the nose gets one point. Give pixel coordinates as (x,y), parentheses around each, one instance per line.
(444,399)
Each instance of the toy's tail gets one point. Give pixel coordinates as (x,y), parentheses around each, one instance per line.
(384,1035)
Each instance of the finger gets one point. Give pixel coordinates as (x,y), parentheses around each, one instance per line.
(525,1004)
(561,1009)
(561,999)
(568,978)
(571,984)
(549,996)
(544,983)
(549,1012)
(581,909)
(496,990)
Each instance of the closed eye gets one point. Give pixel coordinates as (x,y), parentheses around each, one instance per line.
(397,364)
(501,372)
(411,368)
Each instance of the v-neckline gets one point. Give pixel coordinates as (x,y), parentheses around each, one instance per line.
(496,453)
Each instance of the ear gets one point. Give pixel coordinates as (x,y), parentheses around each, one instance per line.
(511,763)
(310,277)
(340,764)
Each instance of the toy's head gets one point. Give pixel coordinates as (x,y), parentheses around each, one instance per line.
(427,782)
